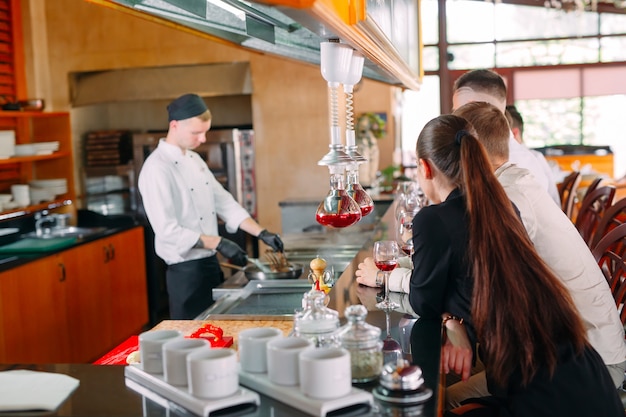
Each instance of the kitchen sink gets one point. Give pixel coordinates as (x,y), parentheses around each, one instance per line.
(69,231)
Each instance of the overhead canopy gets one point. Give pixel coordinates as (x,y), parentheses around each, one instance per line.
(156,83)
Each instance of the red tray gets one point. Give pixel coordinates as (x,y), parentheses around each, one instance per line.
(118,355)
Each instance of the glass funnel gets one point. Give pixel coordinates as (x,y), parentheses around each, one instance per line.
(338,209)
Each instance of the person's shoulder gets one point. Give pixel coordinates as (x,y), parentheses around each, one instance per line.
(434,215)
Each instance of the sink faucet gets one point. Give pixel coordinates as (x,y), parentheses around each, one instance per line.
(41,219)
(50,220)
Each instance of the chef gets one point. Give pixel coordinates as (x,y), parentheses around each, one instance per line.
(182,200)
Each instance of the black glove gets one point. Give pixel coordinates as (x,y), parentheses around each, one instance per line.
(233,252)
(272,240)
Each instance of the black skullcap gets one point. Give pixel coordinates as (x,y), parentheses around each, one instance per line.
(185,107)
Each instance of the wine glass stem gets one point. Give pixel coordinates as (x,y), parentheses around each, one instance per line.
(386,278)
(387,323)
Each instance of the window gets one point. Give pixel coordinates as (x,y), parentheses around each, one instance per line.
(561,83)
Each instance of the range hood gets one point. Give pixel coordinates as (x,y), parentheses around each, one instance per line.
(386,32)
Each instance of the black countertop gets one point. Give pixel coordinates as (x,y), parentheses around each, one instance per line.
(111,225)
(103,392)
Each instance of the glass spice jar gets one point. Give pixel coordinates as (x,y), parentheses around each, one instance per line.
(363,342)
(315,321)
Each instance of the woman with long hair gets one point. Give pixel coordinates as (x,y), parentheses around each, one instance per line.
(477,268)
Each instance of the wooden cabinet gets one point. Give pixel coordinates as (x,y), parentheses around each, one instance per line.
(36,127)
(33,313)
(124,260)
(76,305)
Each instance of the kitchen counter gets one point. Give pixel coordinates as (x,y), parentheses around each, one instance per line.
(298,215)
(111,226)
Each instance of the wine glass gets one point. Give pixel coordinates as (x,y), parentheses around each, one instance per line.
(404,232)
(386,254)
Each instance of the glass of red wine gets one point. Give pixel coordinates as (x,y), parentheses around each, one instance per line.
(386,254)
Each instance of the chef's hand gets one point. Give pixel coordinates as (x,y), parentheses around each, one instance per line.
(232,251)
(272,240)
(366,273)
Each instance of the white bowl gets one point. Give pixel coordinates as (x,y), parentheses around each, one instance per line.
(5,198)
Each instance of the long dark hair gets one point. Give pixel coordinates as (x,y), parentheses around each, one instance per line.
(520,309)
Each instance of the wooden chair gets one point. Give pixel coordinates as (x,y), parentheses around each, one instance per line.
(592,209)
(613,217)
(610,254)
(567,192)
(594,184)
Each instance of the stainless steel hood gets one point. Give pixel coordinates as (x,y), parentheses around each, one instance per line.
(385,31)
(159,83)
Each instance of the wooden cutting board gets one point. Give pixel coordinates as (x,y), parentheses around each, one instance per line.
(30,245)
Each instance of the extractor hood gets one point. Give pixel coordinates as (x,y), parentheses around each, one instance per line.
(386,32)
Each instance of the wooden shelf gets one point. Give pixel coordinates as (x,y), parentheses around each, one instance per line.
(33,208)
(36,127)
(33,158)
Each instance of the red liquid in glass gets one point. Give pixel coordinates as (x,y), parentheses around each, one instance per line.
(407,249)
(363,199)
(386,266)
(365,210)
(338,220)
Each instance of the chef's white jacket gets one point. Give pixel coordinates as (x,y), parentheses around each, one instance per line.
(183,199)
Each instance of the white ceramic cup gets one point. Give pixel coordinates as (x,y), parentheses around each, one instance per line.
(253,348)
(283,366)
(175,358)
(325,373)
(212,372)
(151,348)
(21,194)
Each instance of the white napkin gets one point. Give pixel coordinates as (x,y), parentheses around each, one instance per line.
(30,390)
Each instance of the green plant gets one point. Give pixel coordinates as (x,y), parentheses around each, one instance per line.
(371,126)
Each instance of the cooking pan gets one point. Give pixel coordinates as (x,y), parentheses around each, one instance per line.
(253,271)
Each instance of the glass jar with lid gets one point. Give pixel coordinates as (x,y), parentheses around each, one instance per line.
(363,342)
(316,321)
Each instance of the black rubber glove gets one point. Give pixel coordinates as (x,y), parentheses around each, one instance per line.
(233,252)
(272,240)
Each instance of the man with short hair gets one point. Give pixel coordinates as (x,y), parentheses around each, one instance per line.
(488,86)
(183,200)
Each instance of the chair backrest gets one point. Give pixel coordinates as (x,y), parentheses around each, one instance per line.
(613,217)
(594,184)
(592,209)
(610,253)
(567,192)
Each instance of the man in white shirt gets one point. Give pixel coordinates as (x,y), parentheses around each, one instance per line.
(556,240)
(488,86)
(517,129)
(182,200)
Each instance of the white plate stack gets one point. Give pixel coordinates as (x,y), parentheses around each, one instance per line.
(7,143)
(38,148)
(46,148)
(45,190)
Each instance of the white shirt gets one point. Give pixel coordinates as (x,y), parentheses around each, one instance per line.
(523,157)
(182,200)
(560,245)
